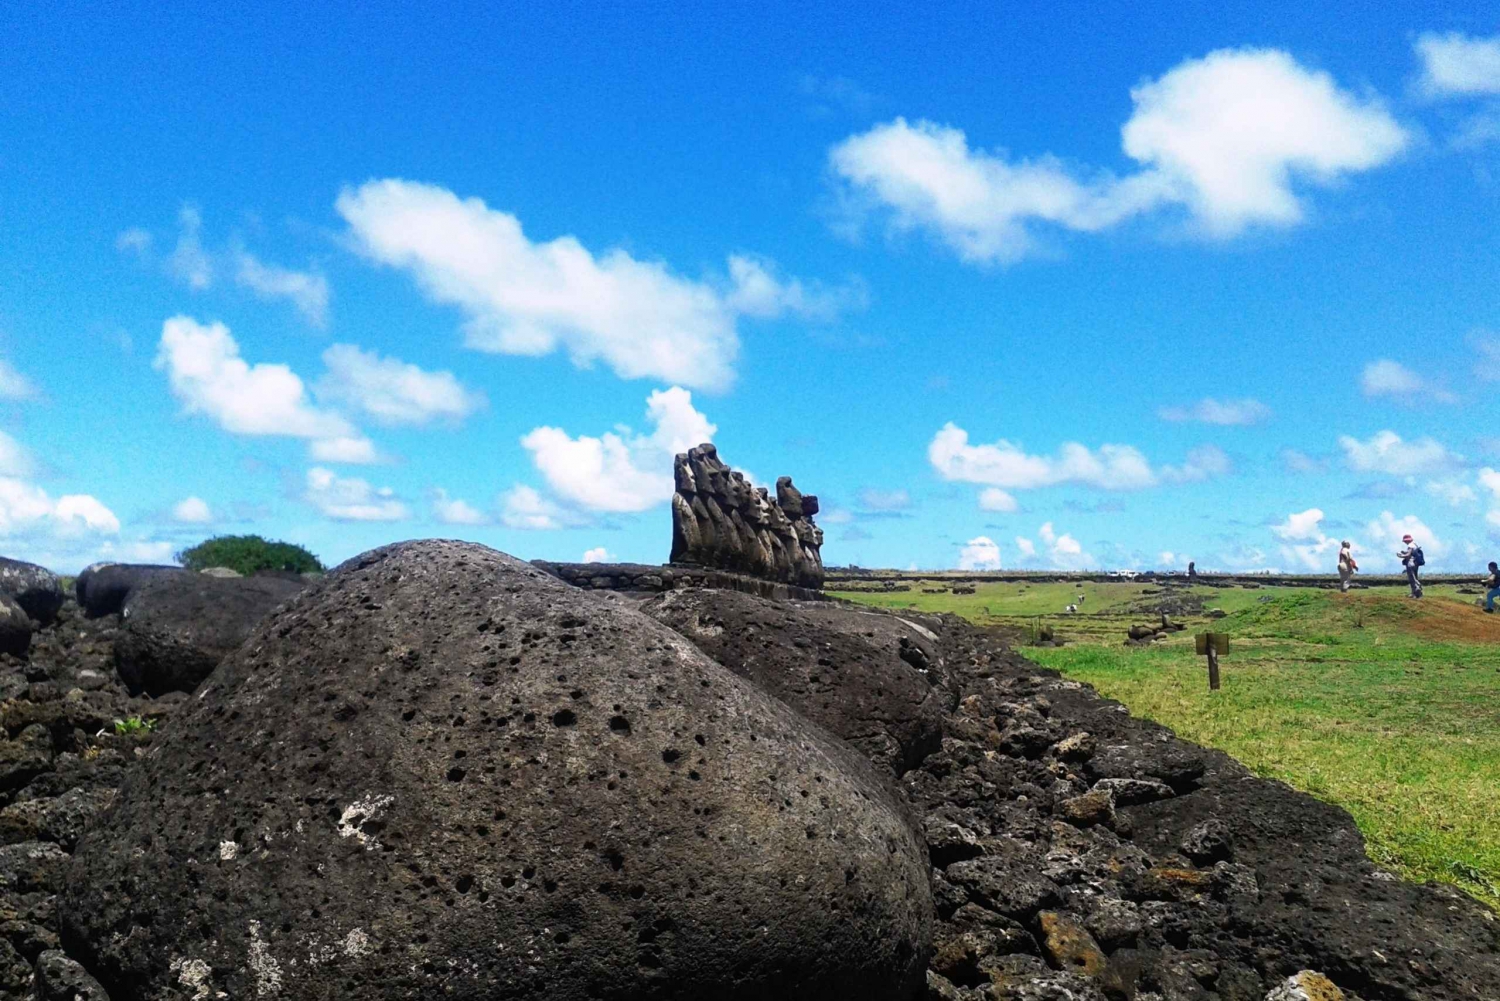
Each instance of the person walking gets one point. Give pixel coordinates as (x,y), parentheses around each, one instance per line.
(1412,559)
(1492,587)
(1347,566)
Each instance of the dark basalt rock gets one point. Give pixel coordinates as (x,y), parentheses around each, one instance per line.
(102,587)
(175,628)
(862,675)
(15,627)
(440,772)
(36,589)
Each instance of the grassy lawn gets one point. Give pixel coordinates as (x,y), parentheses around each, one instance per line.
(1385,706)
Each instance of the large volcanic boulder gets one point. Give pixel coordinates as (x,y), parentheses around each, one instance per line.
(175,628)
(102,587)
(15,627)
(441,772)
(866,676)
(36,589)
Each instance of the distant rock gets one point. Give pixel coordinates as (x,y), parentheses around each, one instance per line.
(441,772)
(221,572)
(15,627)
(102,587)
(176,627)
(36,589)
(865,676)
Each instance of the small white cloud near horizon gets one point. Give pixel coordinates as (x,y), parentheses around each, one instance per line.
(995,499)
(351,499)
(1228,137)
(1393,380)
(1458,65)
(1005,465)
(1226,413)
(192,511)
(26,507)
(979,553)
(306,291)
(1025,547)
(525,508)
(1386,452)
(1301,526)
(1385,534)
(455,511)
(391,391)
(597,555)
(621,472)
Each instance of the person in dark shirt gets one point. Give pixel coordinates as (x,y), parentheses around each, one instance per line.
(1492,587)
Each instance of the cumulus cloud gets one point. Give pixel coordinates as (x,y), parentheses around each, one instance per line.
(192,511)
(26,507)
(207,374)
(1457,65)
(979,553)
(1304,544)
(453,511)
(1393,380)
(1063,552)
(1300,526)
(353,450)
(1386,452)
(622,472)
(1025,547)
(1453,492)
(1006,465)
(351,499)
(597,555)
(1226,137)
(306,291)
(525,508)
(995,499)
(1223,412)
(1385,532)
(391,391)
(14,385)
(523,297)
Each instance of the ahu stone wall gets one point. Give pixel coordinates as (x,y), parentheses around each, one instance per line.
(721,520)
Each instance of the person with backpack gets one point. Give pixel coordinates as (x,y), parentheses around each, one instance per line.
(1347,566)
(1412,559)
(1492,587)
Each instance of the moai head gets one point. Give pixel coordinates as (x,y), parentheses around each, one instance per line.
(683,474)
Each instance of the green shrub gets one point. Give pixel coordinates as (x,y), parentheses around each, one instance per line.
(247,554)
(134,724)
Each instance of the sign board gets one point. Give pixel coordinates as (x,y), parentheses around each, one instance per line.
(1219,642)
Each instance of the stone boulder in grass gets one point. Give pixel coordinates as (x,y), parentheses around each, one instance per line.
(867,676)
(176,627)
(440,772)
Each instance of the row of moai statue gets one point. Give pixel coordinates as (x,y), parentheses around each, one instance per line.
(720,520)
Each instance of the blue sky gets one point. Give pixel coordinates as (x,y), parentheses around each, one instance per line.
(1000,285)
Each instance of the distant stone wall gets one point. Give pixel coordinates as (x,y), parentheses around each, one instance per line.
(720,520)
(646,578)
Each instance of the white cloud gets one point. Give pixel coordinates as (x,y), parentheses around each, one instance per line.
(351,499)
(995,499)
(1387,453)
(597,555)
(527,298)
(15,458)
(1223,412)
(192,511)
(135,241)
(1167,558)
(621,472)
(1318,554)
(392,391)
(1224,136)
(525,508)
(979,553)
(757,290)
(26,507)
(1489,479)
(1301,526)
(884,500)
(1025,547)
(1387,378)
(350,450)
(14,385)
(306,291)
(189,263)
(1005,465)
(1456,65)
(1202,463)
(453,511)
(1453,492)
(207,374)
(1063,551)
(1387,530)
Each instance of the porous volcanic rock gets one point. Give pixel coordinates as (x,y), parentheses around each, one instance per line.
(867,677)
(15,627)
(102,587)
(36,589)
(175,628)
(440,772)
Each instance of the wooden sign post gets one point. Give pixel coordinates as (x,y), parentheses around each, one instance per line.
(1213,646)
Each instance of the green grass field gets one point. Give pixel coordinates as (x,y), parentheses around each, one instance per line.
(1385,706)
